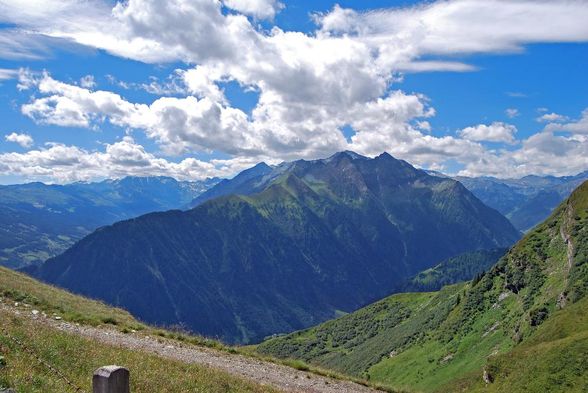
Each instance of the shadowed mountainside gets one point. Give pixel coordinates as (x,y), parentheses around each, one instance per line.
(38,221)
(321,237)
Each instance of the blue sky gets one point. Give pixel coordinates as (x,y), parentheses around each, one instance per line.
(232,84)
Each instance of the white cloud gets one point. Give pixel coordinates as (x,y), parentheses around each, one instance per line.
(262,9)
(23,140)
(495,132)
(547,152)
(551,117)
(434,66)
(16,44)
(179,124)
(541,154)
(88,82)
(8,74)
(201,124)
(310,86)
(579,126)
(464,26)
(61,163)
(511,113)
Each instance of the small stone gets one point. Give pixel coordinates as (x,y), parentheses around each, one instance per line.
(447,358)
(58,318)
(487,377)
(562,300)
(503,296)
(35,312)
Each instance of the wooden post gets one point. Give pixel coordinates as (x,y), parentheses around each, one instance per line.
(111,379)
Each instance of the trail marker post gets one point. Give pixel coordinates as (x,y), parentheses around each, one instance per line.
(111,379)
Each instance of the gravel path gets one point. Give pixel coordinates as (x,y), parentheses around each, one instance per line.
(282,377)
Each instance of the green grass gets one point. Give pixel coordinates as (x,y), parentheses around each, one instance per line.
(77,358)
(555,359)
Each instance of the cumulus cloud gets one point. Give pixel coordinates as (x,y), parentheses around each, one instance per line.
(178,124)
(542,154)
(88,82)
(551,117)
(262,9)
(203,124)
(548,152)
(63,163)
(495,132)
(23,140)
(579,126)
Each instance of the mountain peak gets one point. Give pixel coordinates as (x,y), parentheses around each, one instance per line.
(262,165)
(346,153)
(385,155)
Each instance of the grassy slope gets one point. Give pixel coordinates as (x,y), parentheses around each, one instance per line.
(555,359)
(451,335)
(21,288)
(78,357)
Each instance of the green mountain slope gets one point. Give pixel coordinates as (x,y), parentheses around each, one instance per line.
(39,221)
(524,322)
(463,267)
(324,236)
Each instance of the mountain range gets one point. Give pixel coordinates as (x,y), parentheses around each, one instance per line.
(38,221)
(521,326)
(527,201)
(304,242)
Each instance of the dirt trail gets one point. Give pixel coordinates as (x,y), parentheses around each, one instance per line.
(281,377)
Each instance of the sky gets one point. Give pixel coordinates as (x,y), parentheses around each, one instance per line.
(94,89)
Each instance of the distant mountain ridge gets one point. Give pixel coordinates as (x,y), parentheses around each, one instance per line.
(38,221)
(301,243)
(527,201)
(244,183)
